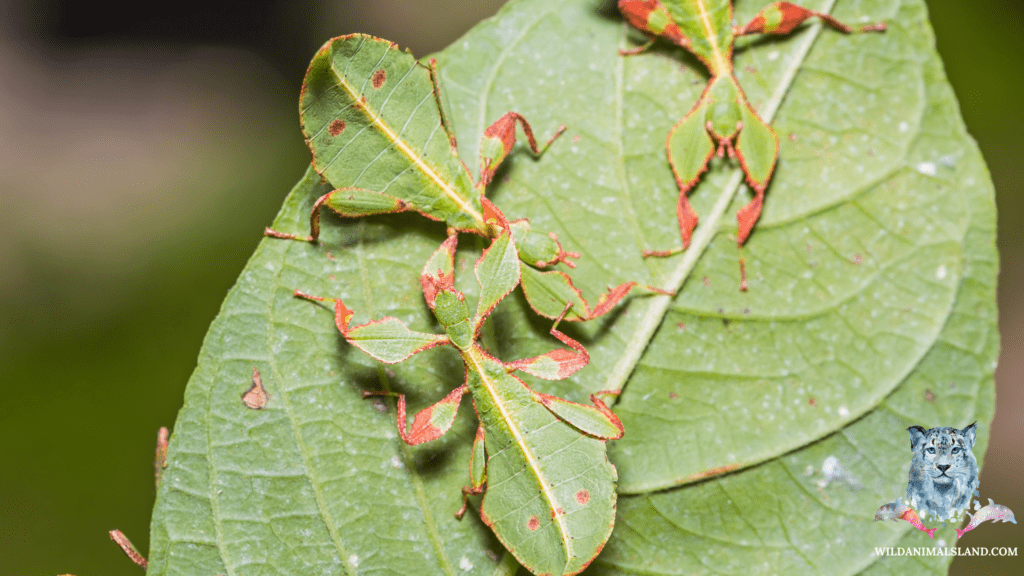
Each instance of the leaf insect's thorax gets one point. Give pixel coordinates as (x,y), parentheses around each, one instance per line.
(453,314)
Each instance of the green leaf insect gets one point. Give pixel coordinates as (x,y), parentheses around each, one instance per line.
(722,121)
(539,460)
(373,118)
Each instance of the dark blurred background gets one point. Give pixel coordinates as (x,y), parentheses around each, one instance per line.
(143,151)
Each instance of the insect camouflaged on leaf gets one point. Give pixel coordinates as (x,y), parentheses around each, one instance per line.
(722,121)
(373,118)
(539,460)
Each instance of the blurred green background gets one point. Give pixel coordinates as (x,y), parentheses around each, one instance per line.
(141,154)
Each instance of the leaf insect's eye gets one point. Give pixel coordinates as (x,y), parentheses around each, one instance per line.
(956,450)
(931,450)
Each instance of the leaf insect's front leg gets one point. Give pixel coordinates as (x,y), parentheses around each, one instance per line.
(783,17)
(430,423)
(498,140)
(477,471)
(653,19)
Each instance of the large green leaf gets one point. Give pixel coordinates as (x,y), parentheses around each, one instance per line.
(871,307)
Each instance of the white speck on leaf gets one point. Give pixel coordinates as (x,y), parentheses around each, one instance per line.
(941,272)
(927,168)
(465,564)
(354,560)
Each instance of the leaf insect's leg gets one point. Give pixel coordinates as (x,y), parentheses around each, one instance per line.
(477,471)
(129,550)
(639,49)
(598,420)
(557,364)
(430,423)
(388,339)
(498,140)
(446,123)
(348,203)
(783,17)
(690,147)
(342,315)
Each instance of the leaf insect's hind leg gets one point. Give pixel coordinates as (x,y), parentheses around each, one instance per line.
(446,123)
(783,17)
(430,423)
(687,218)
(477,471)
(598,420)
(498,141)
(348,203)
(557,364)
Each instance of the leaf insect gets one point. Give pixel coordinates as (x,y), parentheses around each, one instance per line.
(722,121)
(373,118)
(539,461)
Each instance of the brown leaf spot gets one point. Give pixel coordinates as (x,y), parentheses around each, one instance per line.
(379,77)
(256,396)
(337,127)
(812,402)
(583,497)
(707,282)
(857,259)
(750,70)
(576,138)
(929,395)
(792,136)
(533,523)
(673,395)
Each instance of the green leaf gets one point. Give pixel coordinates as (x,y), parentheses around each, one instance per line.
(872,291)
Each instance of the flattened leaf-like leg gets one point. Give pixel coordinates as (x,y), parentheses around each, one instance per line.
(477,471)
(387,339)
(689,148)
(757,147)
(653,19)
(597,420)
(499,139)
(557,364)
(430,423)
(549,292)
(783,17)
(349,203)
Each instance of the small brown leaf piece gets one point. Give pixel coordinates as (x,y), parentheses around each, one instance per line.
(126,546)
(256,396)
